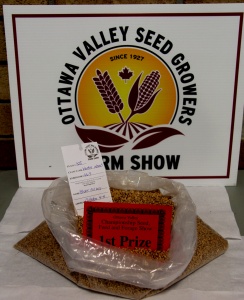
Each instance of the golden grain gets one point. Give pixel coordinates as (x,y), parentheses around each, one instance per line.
(42,246)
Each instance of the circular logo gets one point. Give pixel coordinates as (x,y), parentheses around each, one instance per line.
(91,152)
(125,88)
(126,95)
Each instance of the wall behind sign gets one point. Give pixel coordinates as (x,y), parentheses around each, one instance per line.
(7,151)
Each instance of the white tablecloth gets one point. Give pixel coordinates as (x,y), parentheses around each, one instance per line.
(22,277)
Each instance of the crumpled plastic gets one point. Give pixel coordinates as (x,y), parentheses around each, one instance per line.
(93,258)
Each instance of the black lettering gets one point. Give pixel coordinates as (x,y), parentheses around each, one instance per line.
(88,47)
(117,164)
(62,110)
(123,239)
(79,54)
(68,119)
(140,35)
(134,160)
(146,162)
(188,110)
(172,161)
(71,68)
(166,47)
(113,163)
(190,89)
(148,37)
(95,42)
(187,78)
(112,32)
(106,162)
(183,120)
(157,41)
(66,78)
(159,162)
(120,56)
(65,91)
(148,243)
(103,39)
(60,101)
(192,101)
(141,243)
(183,68)
(124,31)
(113,241)
(110,241)
(177,59)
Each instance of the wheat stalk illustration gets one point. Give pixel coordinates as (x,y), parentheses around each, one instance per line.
(141,99)
(109,93)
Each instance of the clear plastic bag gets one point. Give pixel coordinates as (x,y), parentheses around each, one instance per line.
(90,257)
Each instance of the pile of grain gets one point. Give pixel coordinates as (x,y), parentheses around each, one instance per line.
(41,245)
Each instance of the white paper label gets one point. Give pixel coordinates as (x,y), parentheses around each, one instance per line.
(86,174)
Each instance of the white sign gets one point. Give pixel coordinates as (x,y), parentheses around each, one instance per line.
(158,87)
(86,174)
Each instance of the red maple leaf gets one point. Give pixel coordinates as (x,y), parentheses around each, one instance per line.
(125,74)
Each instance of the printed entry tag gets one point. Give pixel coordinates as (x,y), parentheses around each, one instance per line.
(127,225)
(86,174)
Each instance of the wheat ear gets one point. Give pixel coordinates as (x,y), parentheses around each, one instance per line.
(109,93)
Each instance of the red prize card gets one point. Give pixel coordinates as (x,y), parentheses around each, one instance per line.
(128,225)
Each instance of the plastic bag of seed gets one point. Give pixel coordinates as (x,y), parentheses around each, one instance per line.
(93,258)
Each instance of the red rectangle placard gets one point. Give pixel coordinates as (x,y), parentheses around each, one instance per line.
(128,225)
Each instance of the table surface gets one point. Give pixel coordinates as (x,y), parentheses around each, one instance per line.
(9,186)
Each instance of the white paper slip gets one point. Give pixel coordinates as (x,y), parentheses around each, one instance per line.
(86,174)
